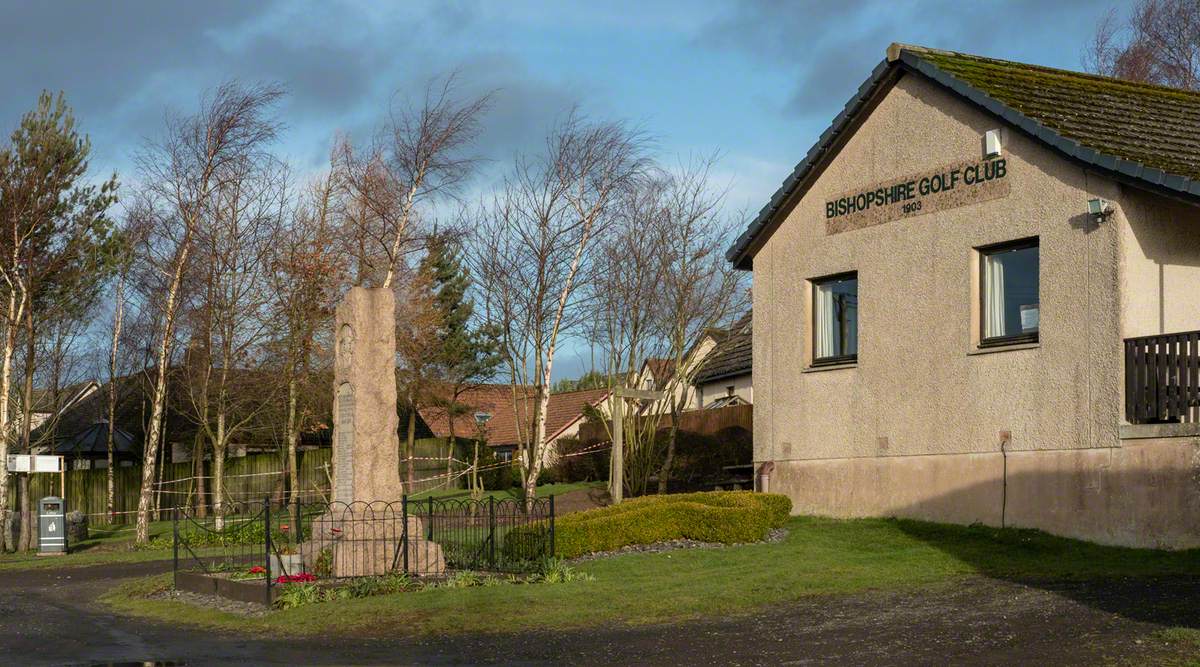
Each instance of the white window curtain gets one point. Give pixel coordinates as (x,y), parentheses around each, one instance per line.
(993,297)
(824,323)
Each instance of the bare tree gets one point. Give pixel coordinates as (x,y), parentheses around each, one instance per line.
(131,236)
(233,243)
(1158,43)
(417,157)
(536,247)
(699,288)
(417,323)
(181,175)
(307,271)
(627,325)
(665,281)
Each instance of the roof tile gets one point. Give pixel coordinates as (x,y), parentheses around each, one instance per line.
(733,355)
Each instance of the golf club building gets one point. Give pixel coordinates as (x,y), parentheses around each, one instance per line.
(977,299)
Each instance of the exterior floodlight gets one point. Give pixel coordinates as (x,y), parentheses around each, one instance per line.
(1099,208)
(991,144)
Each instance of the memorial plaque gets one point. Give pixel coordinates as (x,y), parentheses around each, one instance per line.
(344,447)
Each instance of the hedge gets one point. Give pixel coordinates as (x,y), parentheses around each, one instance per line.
(726,517)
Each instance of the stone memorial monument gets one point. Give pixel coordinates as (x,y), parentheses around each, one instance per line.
(366,464)
(364,526)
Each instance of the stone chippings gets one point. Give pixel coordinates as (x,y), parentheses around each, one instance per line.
(213,602)
(776,535)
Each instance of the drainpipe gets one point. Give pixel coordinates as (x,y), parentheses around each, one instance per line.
(1005,439)
(764,476)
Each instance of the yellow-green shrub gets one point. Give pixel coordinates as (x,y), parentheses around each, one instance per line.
(727,517)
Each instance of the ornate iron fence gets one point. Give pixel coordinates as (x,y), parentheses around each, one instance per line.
(260,545)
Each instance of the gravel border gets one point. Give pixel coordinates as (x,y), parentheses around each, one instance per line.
(248,609)
(776,535)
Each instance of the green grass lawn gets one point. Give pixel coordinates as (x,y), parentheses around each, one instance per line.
(105,544)
(818,557)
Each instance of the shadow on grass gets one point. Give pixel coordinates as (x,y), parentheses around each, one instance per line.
(1150,585)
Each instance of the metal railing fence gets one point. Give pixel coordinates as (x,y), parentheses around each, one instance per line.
(268,544)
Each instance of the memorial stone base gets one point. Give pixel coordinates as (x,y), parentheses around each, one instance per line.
(361,544)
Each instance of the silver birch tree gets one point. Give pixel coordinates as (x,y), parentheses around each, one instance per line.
(181,173)
(535,247)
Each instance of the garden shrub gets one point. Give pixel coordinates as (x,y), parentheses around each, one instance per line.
(465,579)
(726,517)
(556,571)
(292,595)
(295,595)
(548,476)
(701,459)
(324,565)
(575,467)
(495,477)
(394,582)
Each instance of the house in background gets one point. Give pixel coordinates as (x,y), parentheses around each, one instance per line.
(719,364)
(47,405)
(75,427)
(491,414)
(88,448)
(726,377)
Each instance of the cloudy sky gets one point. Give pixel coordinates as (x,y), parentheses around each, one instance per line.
(756,81)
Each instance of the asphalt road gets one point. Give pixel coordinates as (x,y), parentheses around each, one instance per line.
(50,618)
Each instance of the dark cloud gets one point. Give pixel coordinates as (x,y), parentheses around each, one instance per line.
(829,46)
(103,55)
(123,65)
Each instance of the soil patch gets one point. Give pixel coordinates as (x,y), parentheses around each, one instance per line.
(580,500)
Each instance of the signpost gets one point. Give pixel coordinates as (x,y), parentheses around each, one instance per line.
(616,477)
(29,463)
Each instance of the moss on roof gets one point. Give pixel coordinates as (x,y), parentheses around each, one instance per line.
(1155,126)
(1147,133)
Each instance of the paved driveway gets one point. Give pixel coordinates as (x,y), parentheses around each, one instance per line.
(49,618)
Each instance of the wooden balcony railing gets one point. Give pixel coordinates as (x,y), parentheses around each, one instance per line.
(1162,378)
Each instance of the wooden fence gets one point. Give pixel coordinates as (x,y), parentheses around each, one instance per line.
(1162,378)
(703,422)
(248,477)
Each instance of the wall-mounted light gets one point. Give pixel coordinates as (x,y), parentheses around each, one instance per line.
(1099,209)
(991,144)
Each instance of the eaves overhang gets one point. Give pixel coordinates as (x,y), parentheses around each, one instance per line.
(888,72)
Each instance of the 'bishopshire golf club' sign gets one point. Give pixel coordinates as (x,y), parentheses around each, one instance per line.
(948,187)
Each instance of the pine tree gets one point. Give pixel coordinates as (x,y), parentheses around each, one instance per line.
(466,356)
(59,247)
